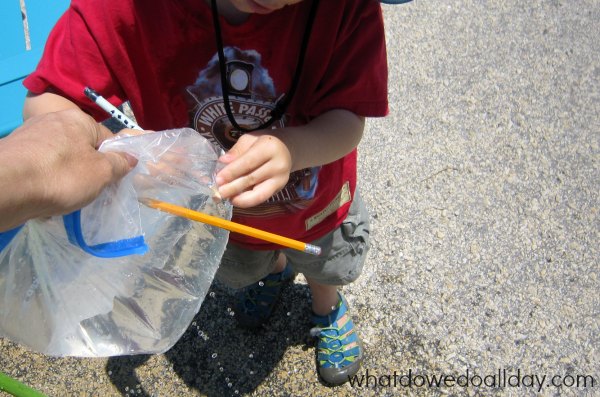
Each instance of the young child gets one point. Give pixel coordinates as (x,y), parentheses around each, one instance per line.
(221,67)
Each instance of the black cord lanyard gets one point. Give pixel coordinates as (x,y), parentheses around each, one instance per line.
(281,105)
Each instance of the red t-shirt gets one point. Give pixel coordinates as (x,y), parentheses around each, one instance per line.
(161,56)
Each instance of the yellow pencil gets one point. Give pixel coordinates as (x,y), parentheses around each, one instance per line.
(231,226)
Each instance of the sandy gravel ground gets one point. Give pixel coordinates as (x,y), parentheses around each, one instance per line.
(483,189)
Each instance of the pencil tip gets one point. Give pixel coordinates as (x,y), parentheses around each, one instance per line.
(90,93)
(216,196)
(146,201)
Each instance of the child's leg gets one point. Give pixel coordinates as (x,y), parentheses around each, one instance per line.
(259,277)
(280,264)
(339,350)
(324,297)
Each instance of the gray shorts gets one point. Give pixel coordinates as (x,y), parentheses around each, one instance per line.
(343,254)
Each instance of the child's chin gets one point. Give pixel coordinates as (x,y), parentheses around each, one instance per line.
(257,8)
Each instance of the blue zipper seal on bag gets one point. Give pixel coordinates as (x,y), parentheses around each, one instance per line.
(7,236)
(113,249)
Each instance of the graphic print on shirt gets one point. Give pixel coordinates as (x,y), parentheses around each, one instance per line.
(252,95)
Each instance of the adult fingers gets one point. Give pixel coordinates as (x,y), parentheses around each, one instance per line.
(131,132)
(101,133)
(121,163)
(104,133)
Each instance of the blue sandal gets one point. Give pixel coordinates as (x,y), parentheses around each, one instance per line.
(255,303)
(339,350)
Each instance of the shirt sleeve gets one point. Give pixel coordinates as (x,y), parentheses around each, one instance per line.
(356,76)
(73,59)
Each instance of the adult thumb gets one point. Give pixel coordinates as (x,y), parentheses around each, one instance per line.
(121,163)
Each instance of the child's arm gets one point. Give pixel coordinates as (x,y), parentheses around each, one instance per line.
(47,102)
(259,164)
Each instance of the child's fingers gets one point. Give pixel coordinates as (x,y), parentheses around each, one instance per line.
(255,187)
(242,166)
(248,153)
(257,195)
(243,183)
(228,157)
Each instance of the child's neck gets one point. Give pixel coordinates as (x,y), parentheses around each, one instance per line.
(229,12)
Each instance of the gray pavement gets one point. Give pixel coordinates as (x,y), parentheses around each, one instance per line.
(483,189)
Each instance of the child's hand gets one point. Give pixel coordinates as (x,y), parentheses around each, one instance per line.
(257,166)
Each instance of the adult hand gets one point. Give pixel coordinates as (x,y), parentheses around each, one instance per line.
(50,166)
(257,166)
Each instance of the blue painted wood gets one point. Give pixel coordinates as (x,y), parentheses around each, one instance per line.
(13,36)
(17,61)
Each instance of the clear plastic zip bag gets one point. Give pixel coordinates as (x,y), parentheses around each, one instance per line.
(117,277)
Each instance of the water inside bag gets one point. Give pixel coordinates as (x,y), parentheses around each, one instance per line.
(60,300)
